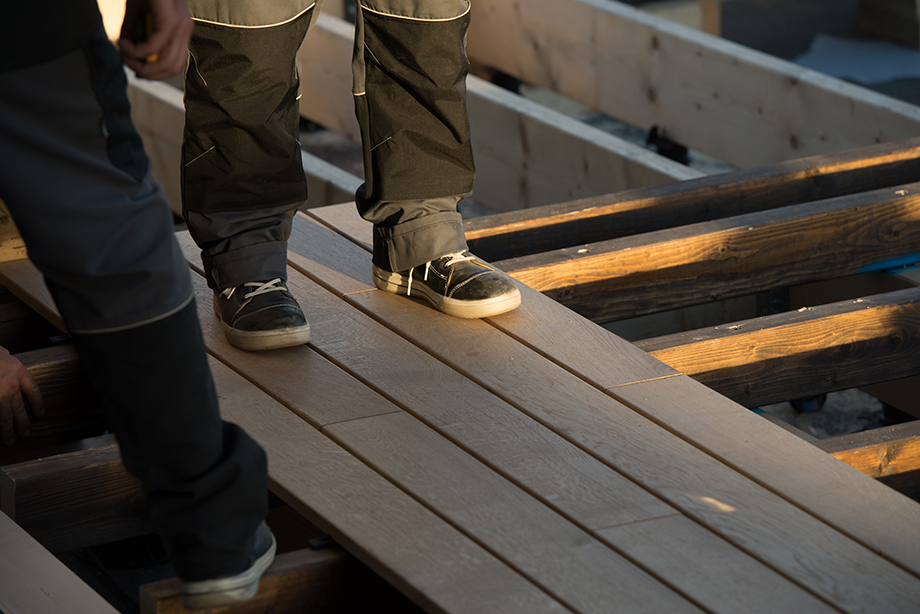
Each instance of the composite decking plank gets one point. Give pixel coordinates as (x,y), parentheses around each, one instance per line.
(553,551)
(371,517)
(577,569)
(783,543)
(34,581)
(340,494)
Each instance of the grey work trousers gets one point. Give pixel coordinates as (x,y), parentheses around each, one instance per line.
(77,182)
(242,174)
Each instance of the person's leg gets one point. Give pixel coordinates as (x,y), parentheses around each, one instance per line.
(99,229)
(242,176)
(410,70)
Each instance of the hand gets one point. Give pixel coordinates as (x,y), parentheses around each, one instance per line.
(165,52)
(17,387)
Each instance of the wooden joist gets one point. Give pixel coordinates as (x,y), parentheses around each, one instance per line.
(320,582)
(734,256)
(589,220)
(739,105)
(75,500)
(73,409)
(33,581)
(801,353)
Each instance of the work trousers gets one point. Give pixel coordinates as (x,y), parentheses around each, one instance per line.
(77,182)
(242,173)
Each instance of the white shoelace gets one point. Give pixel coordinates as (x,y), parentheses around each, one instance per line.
(275,285)
(455,258)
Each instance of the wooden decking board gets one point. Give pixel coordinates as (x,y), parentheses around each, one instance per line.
(797,470)
(33,581)
(590,220)
(601,427)
(318,478)
(734,256)
(801,353)
(563,561)
(566,561)
(732,584)
(584,339)
(522,449)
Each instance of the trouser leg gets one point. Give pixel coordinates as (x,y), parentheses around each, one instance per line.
(242,175)
(78,185)
(410,69)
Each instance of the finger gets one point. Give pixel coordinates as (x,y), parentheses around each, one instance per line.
(20,415)
(33,395)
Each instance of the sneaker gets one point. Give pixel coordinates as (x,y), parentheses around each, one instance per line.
(261,316)
(239,588)
(457,284)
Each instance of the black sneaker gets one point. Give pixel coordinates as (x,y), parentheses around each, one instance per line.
(261,316)
(458,284)
(239,588)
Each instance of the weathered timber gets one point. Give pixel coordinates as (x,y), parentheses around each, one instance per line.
(739,105)
(33,581)
(74,500)
(589,220)
(12,246)
(891,454)
(323,581)
(73,409)
(801,353)
(735,256)
(880,452)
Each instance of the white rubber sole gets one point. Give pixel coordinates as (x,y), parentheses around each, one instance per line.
(468,310)
(253,341)
(230,590)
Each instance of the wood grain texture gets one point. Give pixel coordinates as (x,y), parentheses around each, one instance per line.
(24,280)
(320,582)
(802,353)
(606,356)
(733,582)
(371,517)
(578,570)
(33,581)
(730,257)
(75,500)
(739,105)
(761,523)
(881,452)
(776,458)
(625,213)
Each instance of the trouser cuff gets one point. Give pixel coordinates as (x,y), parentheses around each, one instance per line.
(260,262)
(407,245)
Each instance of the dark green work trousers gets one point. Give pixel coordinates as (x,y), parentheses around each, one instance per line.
(242,173)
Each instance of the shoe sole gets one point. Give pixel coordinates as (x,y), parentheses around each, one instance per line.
(468,310)
(228,591)
(256,340)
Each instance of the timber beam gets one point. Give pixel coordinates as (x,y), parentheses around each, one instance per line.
(598,218)
(801,353)
(75,500)
(735,256)
(322,581)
